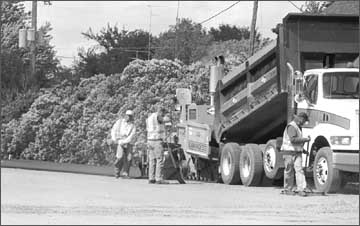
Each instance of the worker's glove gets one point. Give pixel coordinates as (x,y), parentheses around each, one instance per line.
(305,152)
(308,139)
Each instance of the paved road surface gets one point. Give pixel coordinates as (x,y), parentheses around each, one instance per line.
(40,197)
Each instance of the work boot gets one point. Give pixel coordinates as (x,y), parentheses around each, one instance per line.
(125,176)
(287,192)
(301,193)
(151,181)
(161,182)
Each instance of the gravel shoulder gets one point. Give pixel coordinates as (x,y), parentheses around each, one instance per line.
(41,197)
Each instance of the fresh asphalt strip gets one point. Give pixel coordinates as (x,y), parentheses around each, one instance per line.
(59,167)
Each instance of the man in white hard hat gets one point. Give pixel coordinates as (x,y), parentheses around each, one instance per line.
(122,134)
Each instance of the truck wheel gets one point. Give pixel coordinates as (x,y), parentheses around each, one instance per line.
(271,161)
(251,169)
(229,164)
(326,177)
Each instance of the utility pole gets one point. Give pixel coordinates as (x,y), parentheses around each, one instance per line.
(176,31)
(252,29)
(33,44)
(0,62)
(149,32)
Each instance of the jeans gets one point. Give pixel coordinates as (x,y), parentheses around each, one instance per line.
(294,170)
(156,160)
(123,160)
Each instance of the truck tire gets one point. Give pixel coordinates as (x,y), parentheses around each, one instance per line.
(271,161)
(251,169)
(229,163)
(262,147)
(326,177)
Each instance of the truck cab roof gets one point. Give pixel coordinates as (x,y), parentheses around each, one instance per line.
(323,70)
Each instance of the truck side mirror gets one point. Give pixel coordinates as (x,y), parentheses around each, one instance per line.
(299,82)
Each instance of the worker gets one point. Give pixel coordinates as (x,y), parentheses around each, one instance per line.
(292,147)
(155,140)
(122,134)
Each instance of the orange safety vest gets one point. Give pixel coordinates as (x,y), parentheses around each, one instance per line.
(287,145)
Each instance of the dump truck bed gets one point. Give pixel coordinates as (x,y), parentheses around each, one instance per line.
(251,102)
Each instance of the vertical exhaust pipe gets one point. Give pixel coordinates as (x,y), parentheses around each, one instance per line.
(216,74)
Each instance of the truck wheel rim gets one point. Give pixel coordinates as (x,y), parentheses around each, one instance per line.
(227,163)
(322,170)
(246,167)
(270,160)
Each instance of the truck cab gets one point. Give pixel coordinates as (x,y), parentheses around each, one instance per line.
(331,99)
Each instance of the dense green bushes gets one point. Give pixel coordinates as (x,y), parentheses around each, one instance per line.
(72,124)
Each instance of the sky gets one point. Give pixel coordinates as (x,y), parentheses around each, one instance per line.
(69,18)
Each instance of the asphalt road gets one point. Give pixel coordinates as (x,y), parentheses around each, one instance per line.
(41,197)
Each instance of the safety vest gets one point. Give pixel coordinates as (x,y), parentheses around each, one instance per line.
(155,130)
(287,145)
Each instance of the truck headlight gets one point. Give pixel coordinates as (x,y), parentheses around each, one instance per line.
(340,140)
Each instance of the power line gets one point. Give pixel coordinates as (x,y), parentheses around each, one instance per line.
(295,6)
(220,12)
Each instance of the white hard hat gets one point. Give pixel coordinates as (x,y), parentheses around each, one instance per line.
(129,112)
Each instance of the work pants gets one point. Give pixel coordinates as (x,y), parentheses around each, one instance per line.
(123,159)
(294,170)
(156,160)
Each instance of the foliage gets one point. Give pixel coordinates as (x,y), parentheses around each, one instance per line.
(120,47)
(315,7)
(235,52)
(69,123)
(226,32)
(20,105)
(18,88)
(191,40)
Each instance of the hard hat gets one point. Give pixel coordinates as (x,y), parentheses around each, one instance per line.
(129,112)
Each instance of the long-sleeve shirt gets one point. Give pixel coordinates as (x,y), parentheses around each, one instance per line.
(123,132)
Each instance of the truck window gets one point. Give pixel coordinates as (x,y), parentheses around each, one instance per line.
(310,88)
(192,114)
(341,85)
(341,60)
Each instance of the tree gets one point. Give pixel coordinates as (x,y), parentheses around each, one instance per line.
(226,32)
(15,61)
(315,7)
(46,62)
(17,91)
(119,48)
(12,58)
(191,39)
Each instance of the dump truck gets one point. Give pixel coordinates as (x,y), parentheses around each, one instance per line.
(237,137)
